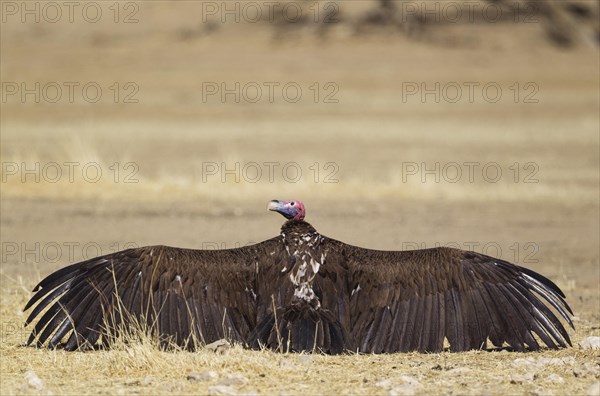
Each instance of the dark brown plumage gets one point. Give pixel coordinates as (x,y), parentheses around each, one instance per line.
(302,291)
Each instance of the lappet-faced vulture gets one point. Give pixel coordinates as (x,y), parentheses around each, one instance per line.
(302,291)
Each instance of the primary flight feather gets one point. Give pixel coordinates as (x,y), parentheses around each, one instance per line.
(302,291)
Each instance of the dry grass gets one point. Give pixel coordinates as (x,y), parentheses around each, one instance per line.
(142,368)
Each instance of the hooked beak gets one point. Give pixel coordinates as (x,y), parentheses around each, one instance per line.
(274,205)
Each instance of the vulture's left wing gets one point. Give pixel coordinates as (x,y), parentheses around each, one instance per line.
(185,296)
(414,300)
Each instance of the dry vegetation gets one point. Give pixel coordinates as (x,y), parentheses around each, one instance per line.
(369,135)
(140,367)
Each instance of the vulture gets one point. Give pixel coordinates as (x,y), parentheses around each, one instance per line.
(301,291)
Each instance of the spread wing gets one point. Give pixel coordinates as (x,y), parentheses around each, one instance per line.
(368,300)
(186,296)
(413,300)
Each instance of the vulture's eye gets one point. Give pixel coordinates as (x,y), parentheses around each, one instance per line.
(292,203)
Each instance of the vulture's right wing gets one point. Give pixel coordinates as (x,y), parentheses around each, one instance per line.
(183,295)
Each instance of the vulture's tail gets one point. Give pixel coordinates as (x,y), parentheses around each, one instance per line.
(300,328)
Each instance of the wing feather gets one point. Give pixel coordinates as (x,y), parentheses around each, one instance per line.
(453,323)
(173,292)
(398,324)
(444,293)
(409,325)
(425,333)
(47,300)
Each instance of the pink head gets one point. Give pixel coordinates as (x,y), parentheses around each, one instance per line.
(288,209)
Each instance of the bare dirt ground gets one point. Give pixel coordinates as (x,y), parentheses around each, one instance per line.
(378,168)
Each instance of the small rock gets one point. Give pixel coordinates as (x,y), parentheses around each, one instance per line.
(521,379)
(305,359)
(557,361)
(386,383)
(222,390)
(555,378)
(219,346)
(402,390)
(147,381)
(202,376)
(234,379)
(459,371)
(594,389)
(409,380)
(592,342)
(409,387)
(523,362)
(33,381)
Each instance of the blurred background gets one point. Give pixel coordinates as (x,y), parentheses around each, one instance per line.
(400,124)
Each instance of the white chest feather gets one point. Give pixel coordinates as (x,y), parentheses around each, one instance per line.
(308,261)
